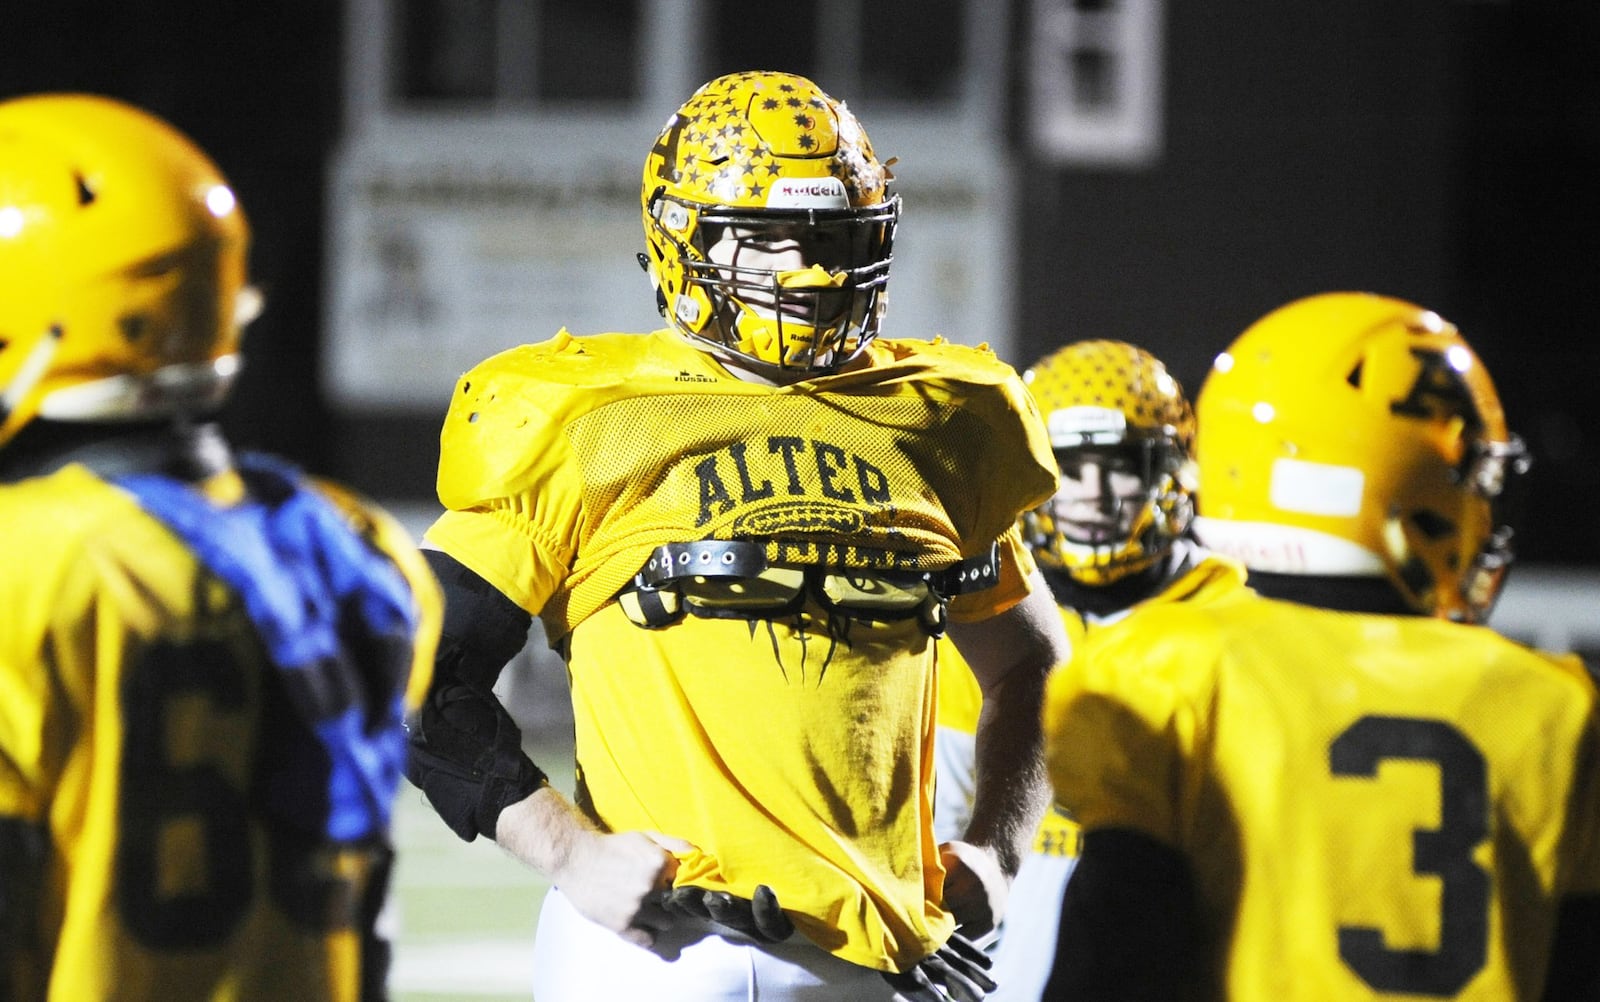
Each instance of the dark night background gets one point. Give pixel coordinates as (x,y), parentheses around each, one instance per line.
(1445,152)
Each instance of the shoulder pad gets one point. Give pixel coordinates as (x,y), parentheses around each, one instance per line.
(589,361)
(957,362)
(507,414)
(630,364)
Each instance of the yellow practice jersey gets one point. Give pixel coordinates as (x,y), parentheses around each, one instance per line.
(135,858)
(1208,577)
(1375,807)
(794,751)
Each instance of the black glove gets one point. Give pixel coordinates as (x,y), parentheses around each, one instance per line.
(958,970)
(758,918)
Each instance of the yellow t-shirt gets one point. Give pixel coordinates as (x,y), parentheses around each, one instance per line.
(1374,806)
(136,852)
(795,752)
(960,700)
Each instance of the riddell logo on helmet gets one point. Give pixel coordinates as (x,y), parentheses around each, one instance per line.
(808,193)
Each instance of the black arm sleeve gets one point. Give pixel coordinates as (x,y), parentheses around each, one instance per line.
(1128,923)
(1574,959)
(466,752)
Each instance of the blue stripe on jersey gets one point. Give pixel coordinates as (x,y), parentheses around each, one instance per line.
(336,618)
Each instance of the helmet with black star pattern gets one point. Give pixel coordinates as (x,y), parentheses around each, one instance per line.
(1110,398)
(768,225)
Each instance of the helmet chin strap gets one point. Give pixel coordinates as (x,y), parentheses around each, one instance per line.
(724,331)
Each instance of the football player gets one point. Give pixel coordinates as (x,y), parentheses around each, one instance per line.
(1113,537)
(1345,787)
(744,532)
(206,657)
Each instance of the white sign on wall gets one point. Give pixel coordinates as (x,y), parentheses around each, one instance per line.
(462,229)
(442,265)
(436,267)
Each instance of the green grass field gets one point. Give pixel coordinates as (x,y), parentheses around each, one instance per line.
(462,914)
(465,913)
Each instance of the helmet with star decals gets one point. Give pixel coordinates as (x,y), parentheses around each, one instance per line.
(769,223)
(1111,406)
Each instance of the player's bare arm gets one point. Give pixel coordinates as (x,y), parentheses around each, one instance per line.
(613,879)
(1011,655)
(467,757)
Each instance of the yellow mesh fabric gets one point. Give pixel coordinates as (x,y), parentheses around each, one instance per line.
(592,452)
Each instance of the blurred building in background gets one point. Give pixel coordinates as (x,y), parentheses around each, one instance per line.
(432,180)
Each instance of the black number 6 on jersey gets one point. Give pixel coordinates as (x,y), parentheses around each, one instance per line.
(1445,852)
(156,791)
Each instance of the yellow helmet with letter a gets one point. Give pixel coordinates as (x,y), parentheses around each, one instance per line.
(122,265)
(1351,434)
(1110,397)
(768,164)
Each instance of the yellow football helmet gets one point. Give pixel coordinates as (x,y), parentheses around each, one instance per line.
(1113,397)
(122,265)
(768,159)
(1355,434)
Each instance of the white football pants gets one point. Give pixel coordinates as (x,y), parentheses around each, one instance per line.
(575,960)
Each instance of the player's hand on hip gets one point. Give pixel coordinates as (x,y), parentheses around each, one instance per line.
(975,886)
(616,880)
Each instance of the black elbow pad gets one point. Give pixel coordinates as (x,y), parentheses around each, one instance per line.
(465,750)
(466,757)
